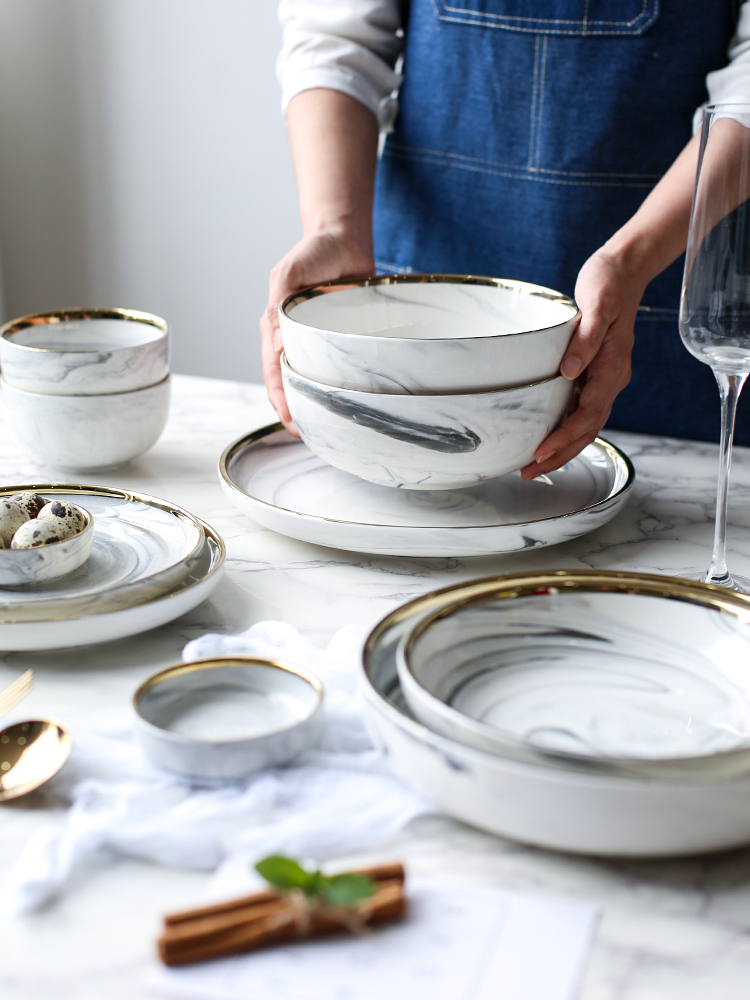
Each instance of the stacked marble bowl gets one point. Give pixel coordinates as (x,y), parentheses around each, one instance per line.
(86,390)
(582,710)
(424,381)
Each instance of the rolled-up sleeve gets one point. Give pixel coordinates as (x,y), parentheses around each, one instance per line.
(348,45)
(732,82)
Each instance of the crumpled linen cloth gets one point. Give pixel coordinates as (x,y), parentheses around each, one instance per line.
(336,799)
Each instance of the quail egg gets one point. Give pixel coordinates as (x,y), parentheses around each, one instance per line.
(32,503)
(66,516)
(38,531)
(12,516)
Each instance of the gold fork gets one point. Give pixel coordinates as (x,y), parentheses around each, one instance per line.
(16,691)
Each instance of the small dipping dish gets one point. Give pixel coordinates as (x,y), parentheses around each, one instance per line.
(24,567)
(226,717)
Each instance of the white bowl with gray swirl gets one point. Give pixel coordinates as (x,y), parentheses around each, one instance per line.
(425,442)
(427,333)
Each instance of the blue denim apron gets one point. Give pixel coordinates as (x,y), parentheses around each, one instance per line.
(529,131)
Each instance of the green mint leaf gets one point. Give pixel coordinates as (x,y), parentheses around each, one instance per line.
(346,890)
(285,873)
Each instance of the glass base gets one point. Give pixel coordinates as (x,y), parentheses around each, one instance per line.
(731,581)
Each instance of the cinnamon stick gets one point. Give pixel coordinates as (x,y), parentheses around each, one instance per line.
(257,926)
(380,873)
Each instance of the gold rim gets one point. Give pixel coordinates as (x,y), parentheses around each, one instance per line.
(413,395)
(438,603)
(343,284)
(77,313)
(205,531)
(620,461)
(213,662)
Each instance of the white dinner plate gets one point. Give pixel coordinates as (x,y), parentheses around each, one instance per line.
(277,481)
(143,547)
(141,614)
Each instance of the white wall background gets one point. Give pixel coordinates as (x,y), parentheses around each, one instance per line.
(144,163)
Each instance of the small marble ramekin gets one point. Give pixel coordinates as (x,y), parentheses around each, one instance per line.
(22,567)
(85,352)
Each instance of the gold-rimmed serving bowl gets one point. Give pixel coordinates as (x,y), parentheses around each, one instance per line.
(629,774)
(426,333)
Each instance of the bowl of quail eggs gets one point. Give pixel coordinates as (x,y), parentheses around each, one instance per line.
(41,539)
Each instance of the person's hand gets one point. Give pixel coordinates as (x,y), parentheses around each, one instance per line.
(608,293)
(321,256)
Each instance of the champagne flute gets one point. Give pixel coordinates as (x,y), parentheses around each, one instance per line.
(715,301)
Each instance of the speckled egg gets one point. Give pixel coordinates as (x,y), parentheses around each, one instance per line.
(32,503)
(12,516)
(38,531)
(65,515)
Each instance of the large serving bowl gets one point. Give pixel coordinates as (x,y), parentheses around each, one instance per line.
(425,442)
(664,804)
(87,433)
(85,351)
(427,333)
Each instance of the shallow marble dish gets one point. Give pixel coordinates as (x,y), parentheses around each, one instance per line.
(88,433)
(64,628)
(25,567)
(142,548)
(604,676)
(427,333)
(426,442)
(84,352)
(572,803)
(226,717)
(278,482)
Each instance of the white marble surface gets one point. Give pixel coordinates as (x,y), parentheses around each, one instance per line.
(670,930)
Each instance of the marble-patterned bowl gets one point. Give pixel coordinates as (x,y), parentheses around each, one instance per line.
(427,333)
(23,567)
(87,433)
(85,352)
(425,442)
(228,716)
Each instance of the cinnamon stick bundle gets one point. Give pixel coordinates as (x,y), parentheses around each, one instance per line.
(267,918)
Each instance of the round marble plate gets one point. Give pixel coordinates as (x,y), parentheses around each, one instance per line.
(143,547)
(139,616)
(278,482)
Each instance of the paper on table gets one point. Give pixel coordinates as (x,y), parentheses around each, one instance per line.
(456,944)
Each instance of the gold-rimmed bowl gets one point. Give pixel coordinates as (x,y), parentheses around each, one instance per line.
(25,567)
(85,352)
(223,718)
(427,333)
(582,802)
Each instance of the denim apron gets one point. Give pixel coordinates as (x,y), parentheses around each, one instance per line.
(529,131)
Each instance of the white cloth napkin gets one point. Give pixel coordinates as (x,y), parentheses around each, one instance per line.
(336,799)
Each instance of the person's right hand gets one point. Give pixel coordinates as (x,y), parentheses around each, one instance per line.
(320,256)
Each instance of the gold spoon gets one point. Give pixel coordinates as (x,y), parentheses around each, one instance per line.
(30,754)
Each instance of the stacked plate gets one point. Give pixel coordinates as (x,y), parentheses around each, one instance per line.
(150,563)
(606,713)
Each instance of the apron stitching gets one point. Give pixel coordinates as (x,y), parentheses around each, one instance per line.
(610,32)
(541,105)
(584,26)
(524,174)
(396,148)
(532,122)
(551,20)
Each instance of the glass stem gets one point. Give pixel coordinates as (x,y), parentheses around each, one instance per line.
(730,387)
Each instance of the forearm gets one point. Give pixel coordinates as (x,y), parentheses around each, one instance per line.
(334,141)
(657,234)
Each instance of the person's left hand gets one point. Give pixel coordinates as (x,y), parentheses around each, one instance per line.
(608,293)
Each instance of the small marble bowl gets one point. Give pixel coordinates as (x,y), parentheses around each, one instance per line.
(425,442)
(22,567)
(85,352)
(228,716)
(88,433)
(427,333)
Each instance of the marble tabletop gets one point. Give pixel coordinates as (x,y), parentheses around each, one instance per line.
(669,929)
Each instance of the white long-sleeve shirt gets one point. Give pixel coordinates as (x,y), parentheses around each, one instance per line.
(354,46)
